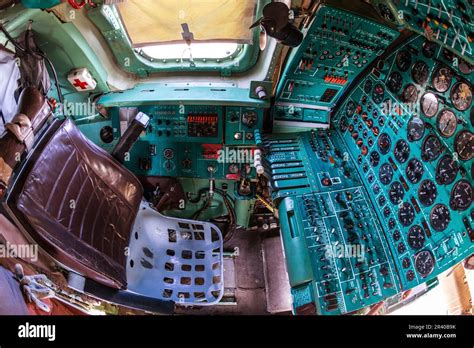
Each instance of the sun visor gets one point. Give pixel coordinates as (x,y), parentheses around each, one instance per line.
(151,22)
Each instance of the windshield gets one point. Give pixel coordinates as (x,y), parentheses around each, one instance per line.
(151,22)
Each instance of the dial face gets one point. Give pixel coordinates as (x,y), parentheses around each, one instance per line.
(107,134)
(420,72)
(406,214)
(410,93)
(403,60)
(428,49)
(401,151)
(465,67)
(447,123)
(427,192)
(384,143)
(464,145)
(461,195)
(401,248)
(396,193)
(461,96)
(446,170)
(386,174)
(394,82)
(396,235)
(374,159)
(431,148)
(368,86)
(414,170)
(424,263)
(350,108)
(440,217)
(233,168)
(415,129)
(410,275)
(429,104)
(168,154)
(416,237)
(406,262)
(442,79)
(378,93)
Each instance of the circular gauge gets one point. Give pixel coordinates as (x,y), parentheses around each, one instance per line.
(465,67)
(401,248)
(410,275)
(384,143)
(427,192)
(464,145)
(374,158)
(414,170)
(396,235)
(428,49)
(461,96)
(378,93)
(406,214)
(406,262)
(431,148)
(168,154)
(410,93)
(415,129)
(394,82)
(396,193)
(107,134)
(461,195)
(447,123)
(440,217)
(416,237)
(472,116)
(420,72)
(403,60)
(446,170)
(368,86)
(386,174)
(350,108)
(429,104)
(424,263)
(442,78)
(382,200)
(401,151)
(233,168)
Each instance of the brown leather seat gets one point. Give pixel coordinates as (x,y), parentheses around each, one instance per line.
(79,204)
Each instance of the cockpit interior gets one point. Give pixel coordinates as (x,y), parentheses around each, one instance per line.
(247,157)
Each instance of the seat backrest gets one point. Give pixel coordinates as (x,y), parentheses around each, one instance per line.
(77,203)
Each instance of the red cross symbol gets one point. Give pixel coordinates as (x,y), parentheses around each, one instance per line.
(78,83)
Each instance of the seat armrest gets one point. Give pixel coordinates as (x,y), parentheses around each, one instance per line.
(130,137)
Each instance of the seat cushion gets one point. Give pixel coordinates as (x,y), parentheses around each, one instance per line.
(81,204)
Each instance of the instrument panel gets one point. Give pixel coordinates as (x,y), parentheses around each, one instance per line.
(393,176)
(197,141)
(449,23)
(414,147)
(338,46)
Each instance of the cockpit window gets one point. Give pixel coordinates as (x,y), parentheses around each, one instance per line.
(152,36)
(149,22)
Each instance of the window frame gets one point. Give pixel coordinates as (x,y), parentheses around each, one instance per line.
(135,61)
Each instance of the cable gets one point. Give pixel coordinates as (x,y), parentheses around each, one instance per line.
(40,54)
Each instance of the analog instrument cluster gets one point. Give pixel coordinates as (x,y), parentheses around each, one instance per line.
(412,135)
